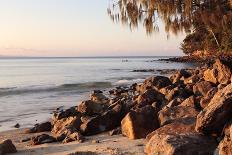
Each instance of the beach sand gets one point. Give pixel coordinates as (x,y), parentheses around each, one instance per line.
(102,144)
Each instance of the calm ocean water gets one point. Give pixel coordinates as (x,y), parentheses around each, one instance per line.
(31,88)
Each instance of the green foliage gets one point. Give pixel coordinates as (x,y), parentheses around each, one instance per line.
(208,23)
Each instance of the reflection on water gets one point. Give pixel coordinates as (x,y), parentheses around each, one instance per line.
(207,22)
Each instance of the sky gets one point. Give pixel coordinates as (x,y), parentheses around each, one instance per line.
(75,28)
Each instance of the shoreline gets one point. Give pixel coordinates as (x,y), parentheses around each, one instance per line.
(138,119)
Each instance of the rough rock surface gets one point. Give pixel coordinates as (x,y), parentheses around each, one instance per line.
(90,107)
(155,81)
(60,126)
(212,118)
(169,115)
(41,127)
(7,146)
(105,122)
(220,73)
(202,88)
(189,144)
(138,124)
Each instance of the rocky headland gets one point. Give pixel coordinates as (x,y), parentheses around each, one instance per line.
(189,112)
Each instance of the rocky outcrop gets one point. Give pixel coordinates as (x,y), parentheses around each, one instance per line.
(71,134)
(90,107)
(202,88)
(60,126)
(212,118)
(169,115)
(150,96)
(191,144)
(60,113)
(6,147)
(220,73)
(182,126)
(138,124)
(207,98)
(155,82)
(105,122)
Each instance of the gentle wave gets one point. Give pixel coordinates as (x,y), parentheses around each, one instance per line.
(78,87)
(127,82)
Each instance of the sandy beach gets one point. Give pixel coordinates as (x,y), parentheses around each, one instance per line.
(101,144)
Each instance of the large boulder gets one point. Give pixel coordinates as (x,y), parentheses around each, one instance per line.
(90,107)
(61,125)
(7,146)
(169,115)
(202,88)
(220,73)
(138,124)
(212,118)
(179,144)
(150,96)
(182,126)
(156,82)
(104,122)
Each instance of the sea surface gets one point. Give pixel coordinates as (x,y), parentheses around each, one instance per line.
(31,88)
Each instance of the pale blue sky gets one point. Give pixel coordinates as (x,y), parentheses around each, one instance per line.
(74,28)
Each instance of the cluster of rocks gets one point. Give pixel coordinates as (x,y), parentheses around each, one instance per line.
(188,113)
(200,59)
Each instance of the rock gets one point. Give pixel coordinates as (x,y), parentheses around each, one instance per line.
(202,88)
(175,78)
(150,96)
(7,146)
(175,102)
(42,139)
(179,144)
(155,81)
(189,102)
(116,131)
(104,122)
(25,140)
(220,73)
(169,115)
(98,97)
(178,92)
(193,79)
(17,125)
(57,115)
(225,146)
(90,107)
(206,99)
(73,136)
(212,118)
(182,126)
(61,125)
(138,124)
(42,127)
(209,75)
